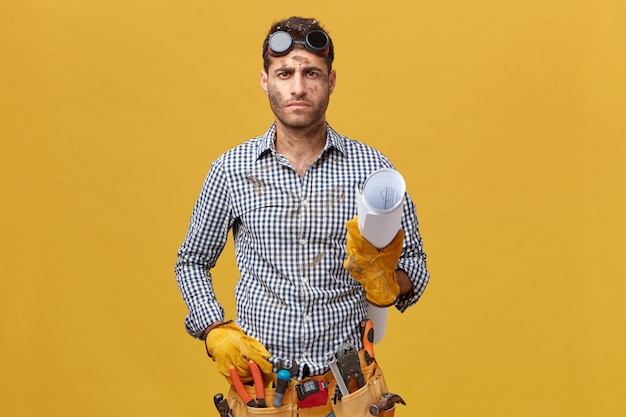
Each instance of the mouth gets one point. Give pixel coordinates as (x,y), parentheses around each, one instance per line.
(298,104)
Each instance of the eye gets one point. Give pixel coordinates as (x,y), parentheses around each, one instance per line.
(283,75)
(312,74)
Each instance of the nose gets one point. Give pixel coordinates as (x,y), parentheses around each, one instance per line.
(298,88)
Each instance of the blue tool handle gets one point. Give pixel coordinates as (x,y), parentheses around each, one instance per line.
(283,381)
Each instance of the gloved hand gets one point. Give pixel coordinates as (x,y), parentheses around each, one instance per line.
(228,345)
(374,269)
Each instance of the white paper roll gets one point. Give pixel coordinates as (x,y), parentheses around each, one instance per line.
(378,316)
(379,207)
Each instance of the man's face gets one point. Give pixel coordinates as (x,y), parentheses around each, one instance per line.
(298,86)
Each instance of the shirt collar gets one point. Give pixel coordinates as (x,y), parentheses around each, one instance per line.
(266,142)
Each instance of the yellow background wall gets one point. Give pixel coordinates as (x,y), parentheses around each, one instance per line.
(507,119)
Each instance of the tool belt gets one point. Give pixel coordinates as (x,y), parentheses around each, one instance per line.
(355,404)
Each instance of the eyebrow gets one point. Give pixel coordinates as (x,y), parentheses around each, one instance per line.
(291,70)
(284,69)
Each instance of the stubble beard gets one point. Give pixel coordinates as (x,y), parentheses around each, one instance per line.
(298,121)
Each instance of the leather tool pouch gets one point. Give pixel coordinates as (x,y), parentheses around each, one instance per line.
(356,404)
(288,409)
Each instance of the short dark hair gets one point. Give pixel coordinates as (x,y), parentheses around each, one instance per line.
(298,28)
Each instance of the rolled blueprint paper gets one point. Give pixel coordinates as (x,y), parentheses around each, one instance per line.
(378,316)
(379,207)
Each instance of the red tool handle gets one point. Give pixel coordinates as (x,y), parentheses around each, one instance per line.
(258,383)
(367,334)
(241,390)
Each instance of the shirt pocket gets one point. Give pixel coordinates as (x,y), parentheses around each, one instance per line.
(334,209)
(263,203)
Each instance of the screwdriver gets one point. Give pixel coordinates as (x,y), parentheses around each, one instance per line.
(283,377)
(367,334)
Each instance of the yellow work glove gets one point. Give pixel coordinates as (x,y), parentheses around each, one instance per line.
(228,345)
(374,269)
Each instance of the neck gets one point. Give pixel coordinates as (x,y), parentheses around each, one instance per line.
(301,146)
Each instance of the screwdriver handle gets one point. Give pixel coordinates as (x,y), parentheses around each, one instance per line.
(367,335)
(283,379)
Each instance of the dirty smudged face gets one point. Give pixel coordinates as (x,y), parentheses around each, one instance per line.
(298,86)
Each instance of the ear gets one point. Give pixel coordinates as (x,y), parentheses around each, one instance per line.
(332,81)
(264,82)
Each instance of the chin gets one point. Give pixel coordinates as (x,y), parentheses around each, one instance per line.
(301,122)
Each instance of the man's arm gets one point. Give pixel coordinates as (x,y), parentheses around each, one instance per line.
(411,272)
(404,282)
(205,239)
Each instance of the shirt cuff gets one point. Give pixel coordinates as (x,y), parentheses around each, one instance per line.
(419,276)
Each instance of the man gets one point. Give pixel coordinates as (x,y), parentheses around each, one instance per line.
(289,198)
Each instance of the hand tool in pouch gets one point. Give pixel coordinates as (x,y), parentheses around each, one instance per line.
(367,335)
(283,377)
(258,382)
(350,365)
(222,405)
(312,393)
(386,402)
(341,384)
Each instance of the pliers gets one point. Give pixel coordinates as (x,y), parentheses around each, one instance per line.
(258,385)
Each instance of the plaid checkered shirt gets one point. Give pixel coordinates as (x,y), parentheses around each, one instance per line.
(293,294)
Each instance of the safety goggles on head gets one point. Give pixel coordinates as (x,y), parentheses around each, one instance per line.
(281,43)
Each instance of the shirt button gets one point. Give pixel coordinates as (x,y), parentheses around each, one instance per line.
(303,241)
(305,280)
(307,318)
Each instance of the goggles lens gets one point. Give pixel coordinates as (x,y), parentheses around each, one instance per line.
(281,43)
